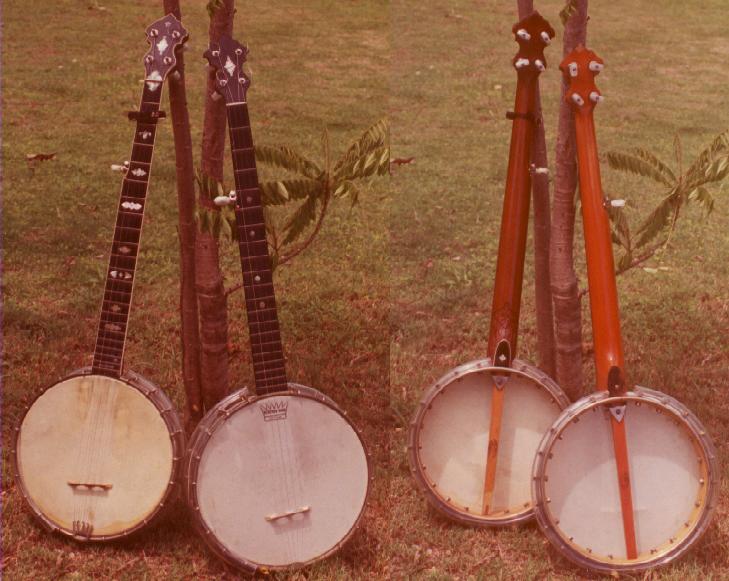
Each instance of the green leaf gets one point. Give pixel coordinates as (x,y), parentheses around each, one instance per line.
(303,216)
(374,138)
(636,163)
(287,158)
(569,9)
(718,146)
(704,198)
(283,191)
(658,219)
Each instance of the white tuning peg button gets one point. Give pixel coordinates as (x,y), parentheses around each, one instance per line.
(232,195)
(617,203)
(123,167)
(572,68)
(596,97)
(596,67)
(215,96)
(523,34)
(222,201)
(540,65)
(521,63)
(546,39)
(577,99)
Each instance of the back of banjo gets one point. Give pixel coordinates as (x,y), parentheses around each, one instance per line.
(277,481)
(449,437)
(96,457)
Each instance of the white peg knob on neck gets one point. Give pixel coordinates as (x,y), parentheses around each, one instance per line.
(617,203)
(540,65)
(596,97)
(123,167)
(521,63)
(572,67)
(596,67)
(523,34)
(546,39)
(577,99)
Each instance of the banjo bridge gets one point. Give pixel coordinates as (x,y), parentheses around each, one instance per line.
(277,516)
(89,485)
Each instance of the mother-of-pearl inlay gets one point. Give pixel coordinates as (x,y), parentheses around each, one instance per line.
(131,206)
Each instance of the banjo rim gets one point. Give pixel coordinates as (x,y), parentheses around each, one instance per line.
(202,434)
(666,553)
(169,415)
(519,368)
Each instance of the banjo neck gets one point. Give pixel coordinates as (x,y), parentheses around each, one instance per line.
(263,326)
(164,36)
(580,68)
(532,33)
(267,354)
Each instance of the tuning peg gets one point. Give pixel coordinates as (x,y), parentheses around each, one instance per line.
(215,96)
(577,99)
(521,63)
(596,67)
(225,200)
(596,97)
(617,203)
(122,168)
(523,34)
(175,75)
(546,39)
(572,68)
(540,65)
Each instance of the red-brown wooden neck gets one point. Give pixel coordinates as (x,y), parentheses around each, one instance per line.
(598,248)
(514,222)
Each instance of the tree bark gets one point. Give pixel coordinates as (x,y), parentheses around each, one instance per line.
(565,293)
(186,233)
(208,276)
(542,225)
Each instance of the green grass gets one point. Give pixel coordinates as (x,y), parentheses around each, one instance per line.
(391,296)
(451,84)
(71,73)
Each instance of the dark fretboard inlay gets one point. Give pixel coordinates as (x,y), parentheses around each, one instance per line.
(112,331)
(266,348)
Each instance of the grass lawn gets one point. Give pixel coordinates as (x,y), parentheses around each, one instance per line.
(71,71)
(394,293)
(451,84)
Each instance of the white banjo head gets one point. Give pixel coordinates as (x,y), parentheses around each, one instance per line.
(673,480)
(277,481)
(96,456)
(449,439)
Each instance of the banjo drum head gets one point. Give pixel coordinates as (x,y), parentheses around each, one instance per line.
(449,439)
(95,458)
(673,480)
(277,481)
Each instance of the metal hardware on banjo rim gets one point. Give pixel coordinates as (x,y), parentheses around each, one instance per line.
(209,470)
(109,465)
(287,463)
(476,408)
(647,471)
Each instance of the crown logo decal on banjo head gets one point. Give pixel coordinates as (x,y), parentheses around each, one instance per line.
(580,68)
(274,410)
(165,36)
(227,58)
(533,34)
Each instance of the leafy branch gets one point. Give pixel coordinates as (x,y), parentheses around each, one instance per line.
(654,233)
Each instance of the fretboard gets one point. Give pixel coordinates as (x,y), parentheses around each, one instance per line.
(266,348)
(112,332)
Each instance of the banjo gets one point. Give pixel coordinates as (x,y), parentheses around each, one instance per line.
(280,478)
(473,438)
(625,479)
(96,455)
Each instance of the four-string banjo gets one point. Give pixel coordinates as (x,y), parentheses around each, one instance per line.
(96,454)
(474,436)
(278,479)
(625,479)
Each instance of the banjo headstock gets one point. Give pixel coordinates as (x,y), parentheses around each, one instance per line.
(580,67)
(227,58)
(165,36)
(533,33)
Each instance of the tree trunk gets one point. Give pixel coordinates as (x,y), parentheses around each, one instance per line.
(542,224)
(567,308)
(208,276)
(186,232)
